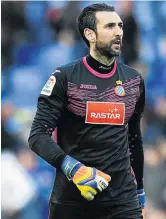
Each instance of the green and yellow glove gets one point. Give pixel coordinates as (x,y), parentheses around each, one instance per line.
(87,179)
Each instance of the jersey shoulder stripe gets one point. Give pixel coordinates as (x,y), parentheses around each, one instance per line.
(70,65)
(129,71)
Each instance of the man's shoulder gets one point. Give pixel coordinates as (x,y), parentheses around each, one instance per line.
(129,70)
(70,66)
(64,72)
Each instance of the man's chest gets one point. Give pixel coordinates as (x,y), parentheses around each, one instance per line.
(104,104)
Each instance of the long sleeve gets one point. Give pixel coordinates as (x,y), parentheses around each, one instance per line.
(51,105)
(135,138)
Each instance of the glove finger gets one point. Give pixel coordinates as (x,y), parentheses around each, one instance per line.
(105,176)
(143,213)
(89,196)
(84,189)
(99,187)
(102,182)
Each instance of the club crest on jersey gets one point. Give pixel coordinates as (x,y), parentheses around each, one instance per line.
(48,87)
(119,89)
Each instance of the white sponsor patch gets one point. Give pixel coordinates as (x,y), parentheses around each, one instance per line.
(48,87)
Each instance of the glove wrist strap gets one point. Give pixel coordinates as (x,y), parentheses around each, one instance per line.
(141,197)
(140,192)
(70,166)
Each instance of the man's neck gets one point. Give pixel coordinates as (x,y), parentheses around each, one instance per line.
(102,59)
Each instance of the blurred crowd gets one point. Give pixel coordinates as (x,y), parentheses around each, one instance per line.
(37,37)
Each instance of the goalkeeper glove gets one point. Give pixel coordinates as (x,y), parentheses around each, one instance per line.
(141,197)
(87,179)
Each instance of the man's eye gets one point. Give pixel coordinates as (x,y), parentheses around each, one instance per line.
(110,26)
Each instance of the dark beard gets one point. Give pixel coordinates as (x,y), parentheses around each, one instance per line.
(106,50)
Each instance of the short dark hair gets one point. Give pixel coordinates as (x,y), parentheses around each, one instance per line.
(87,18)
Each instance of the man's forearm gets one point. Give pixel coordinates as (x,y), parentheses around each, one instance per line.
(136,151)
(46,148)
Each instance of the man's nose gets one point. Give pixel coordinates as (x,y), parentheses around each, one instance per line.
(118,31)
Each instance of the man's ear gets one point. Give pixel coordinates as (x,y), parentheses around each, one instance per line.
(90,35)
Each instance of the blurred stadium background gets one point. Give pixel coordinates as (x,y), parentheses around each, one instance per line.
(38,36)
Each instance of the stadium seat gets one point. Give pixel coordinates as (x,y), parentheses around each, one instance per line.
(35,16)
(26,53)
(26,83)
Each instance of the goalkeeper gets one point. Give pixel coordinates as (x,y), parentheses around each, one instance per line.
(96,103)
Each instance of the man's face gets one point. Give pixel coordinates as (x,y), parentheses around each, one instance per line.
(109,34)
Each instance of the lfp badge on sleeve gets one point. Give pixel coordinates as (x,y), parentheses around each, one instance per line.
(48,87)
